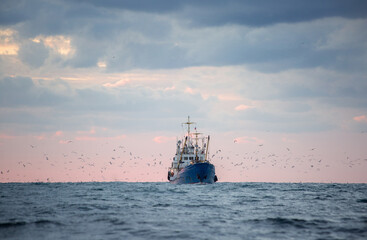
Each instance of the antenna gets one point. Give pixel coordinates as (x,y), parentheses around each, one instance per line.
(188,124)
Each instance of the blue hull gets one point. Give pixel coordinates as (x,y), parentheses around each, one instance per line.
(196,173)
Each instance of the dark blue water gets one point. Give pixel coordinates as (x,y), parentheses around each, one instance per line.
(164,211)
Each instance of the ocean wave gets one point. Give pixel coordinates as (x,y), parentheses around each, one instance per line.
(23,223)
(285,222)
(161,210)
(12,224)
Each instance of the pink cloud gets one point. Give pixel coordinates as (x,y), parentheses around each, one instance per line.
(229,97)
(242,107)
(5,136)
(163,139)
(361,118)
(93,138)
(189,90)
(117,137)
(58,133)
(118,83)
(169,88)
(86,138)
(247,139)
(91,131)
(40,137)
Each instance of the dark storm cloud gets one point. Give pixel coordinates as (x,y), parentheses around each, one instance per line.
(33,54)
(60,14)
(244,12)
(53,104)
(159,34)
(148,56)
(160,6)
(12,12)
(174,34)
(267,12)
(22,91)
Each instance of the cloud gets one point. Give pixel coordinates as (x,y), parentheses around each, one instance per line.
(163,139)
(95,138)
(289,101)
(120,36)
(119,83)
(189,90)
(361,118)
(259,13)
(92,131)
(33,54)
(266,12)
(22,91)
(247,139)
(8,46)
(36,106)
(60,44)
(58,133)
(242,107)
(169,88)
(297,65)
(7,137)
(102,64)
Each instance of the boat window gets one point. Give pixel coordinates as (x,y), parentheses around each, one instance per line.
(185,158)
(191,158)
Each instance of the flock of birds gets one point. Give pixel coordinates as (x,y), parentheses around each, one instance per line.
(96,166)
(93,166)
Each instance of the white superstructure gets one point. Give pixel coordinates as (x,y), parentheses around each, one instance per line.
(193,148)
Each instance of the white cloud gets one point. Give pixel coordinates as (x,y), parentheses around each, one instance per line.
(59,44)
(102,64)
(8,46)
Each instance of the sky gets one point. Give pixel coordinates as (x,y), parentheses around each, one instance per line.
(98,90)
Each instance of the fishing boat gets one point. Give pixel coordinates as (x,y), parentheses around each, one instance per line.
(190,163)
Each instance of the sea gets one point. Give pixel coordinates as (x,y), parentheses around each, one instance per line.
(121,210)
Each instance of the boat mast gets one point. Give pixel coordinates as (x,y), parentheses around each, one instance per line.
(183,148)
(207,148)
(188,125)
(196,144)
